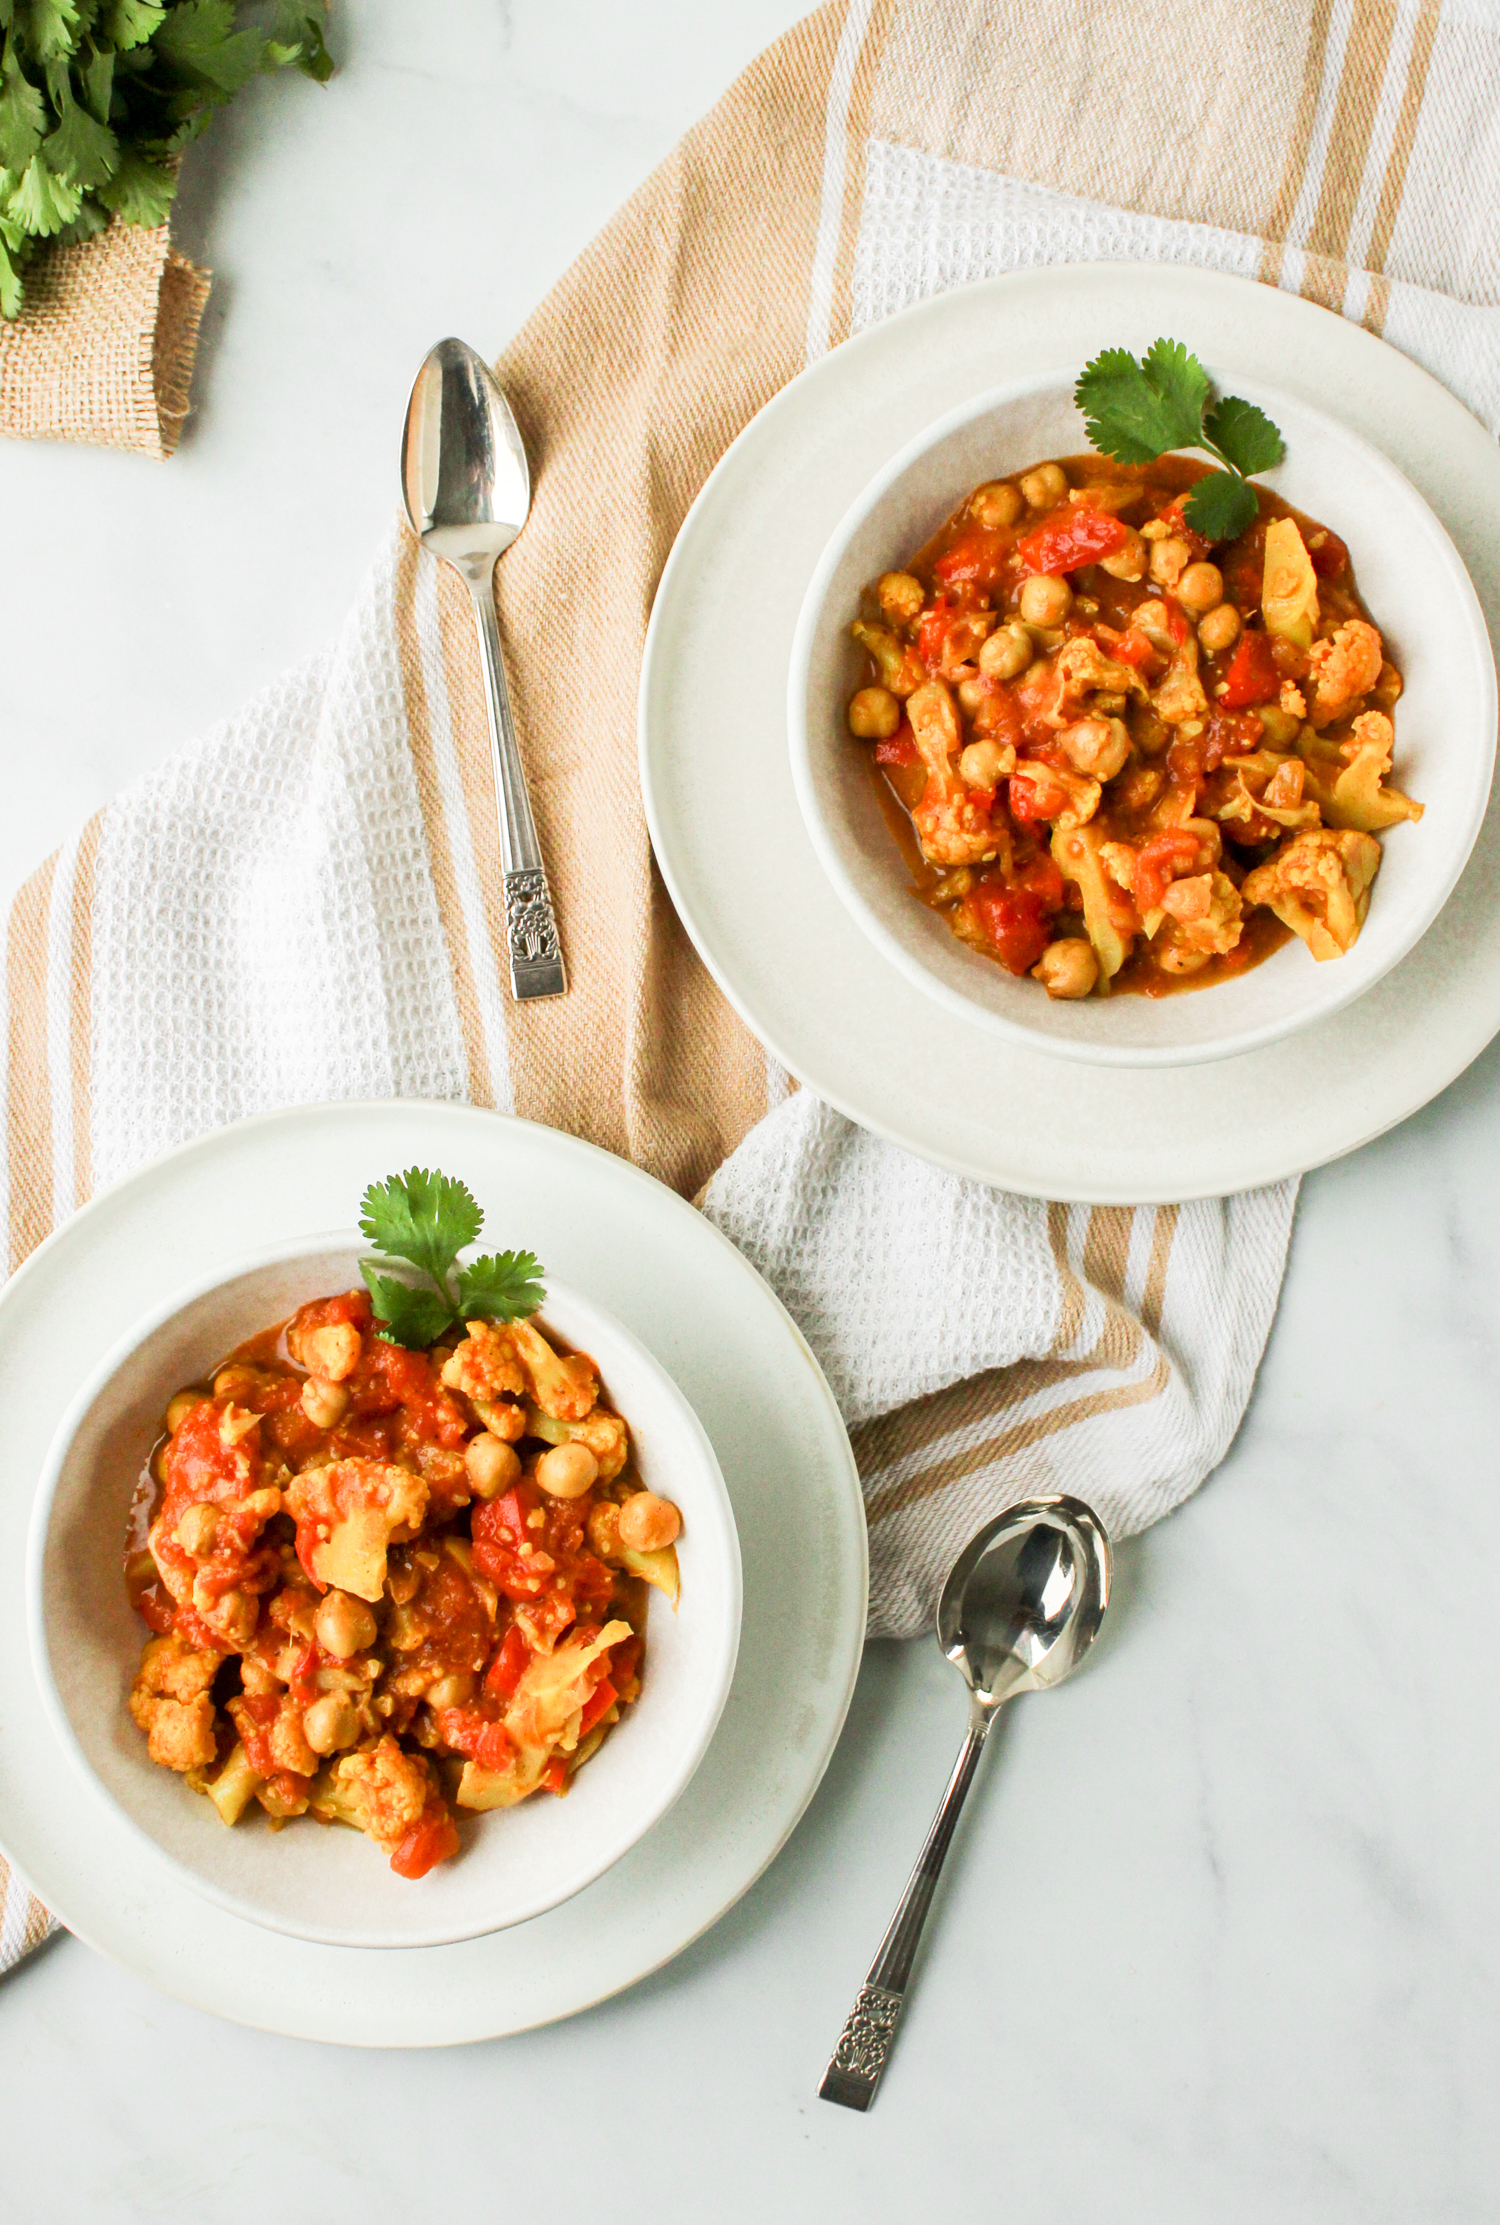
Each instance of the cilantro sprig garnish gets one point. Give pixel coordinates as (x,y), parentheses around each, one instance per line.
(1137,411)
(98,98)
(426,1219)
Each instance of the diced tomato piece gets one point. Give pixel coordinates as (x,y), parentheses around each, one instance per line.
(599,1703)
(302,1687)
(554,1777)
(1231,734)
(980,558)
(1177,625)
(504,1672)
(431,1839)
(1130,647)
(1161,859)
(156,1610)
(1078,536)
(1017,916)
(899,748)
(1252,676)
(934,629)
(1023,800)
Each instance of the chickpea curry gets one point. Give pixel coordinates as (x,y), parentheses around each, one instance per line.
(387,1584)
(1119,757)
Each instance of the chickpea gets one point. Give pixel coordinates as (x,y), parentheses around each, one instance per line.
(324,1404)
(330,1723)
(874,714)
(567,1471)
(995,504)
(179,1408)
(647,1523)
(455,1690)
(1279,727)
(234,1382)
(1169,559)
(1201,588)
(197,1528)
(971,695)
(493,1465)
(1067,968)
(344,1625)
(1097,746)
(984,764)
(332,1351)
(1007,652)
(1045,487)
(1129,561)
(1220,630)
(603,1528)
(900,597)
(1045,601)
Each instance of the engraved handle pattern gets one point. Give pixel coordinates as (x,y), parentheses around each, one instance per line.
(536,967)
(857,2062)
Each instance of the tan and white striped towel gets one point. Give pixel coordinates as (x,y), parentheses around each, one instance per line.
(307,905)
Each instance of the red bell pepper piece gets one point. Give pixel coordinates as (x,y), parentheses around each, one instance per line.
(1252,676)
(1080,536)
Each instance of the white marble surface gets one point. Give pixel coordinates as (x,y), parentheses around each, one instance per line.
(1221,1939)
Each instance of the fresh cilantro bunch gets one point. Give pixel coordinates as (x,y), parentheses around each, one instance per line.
(1138,411)
(427,1220)
(98,98)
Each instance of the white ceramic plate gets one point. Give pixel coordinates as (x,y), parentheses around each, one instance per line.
(699,1308)
(1411,579)
(333,1885)
(744,876)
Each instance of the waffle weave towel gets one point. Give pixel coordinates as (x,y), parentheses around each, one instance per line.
(187,960)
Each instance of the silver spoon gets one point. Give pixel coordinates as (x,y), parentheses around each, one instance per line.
(467,492)
(1021,1607)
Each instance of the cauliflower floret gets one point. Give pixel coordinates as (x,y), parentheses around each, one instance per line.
(347,1514)
(1084,669)
(1358,798)
(171,1703)
(564,1388)
(1206,908)
(382,1791)
(1343,669)
(1097,746)
(952,827)
(901,669)
(1319,886)
(1067,799)
(485,1367)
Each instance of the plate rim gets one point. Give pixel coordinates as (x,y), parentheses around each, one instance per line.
(1222,295)
(90,1909)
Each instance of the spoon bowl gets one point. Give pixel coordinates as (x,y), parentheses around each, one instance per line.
(1025,1598)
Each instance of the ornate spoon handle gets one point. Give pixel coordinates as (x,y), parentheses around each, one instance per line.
(536,966)
(857,2062)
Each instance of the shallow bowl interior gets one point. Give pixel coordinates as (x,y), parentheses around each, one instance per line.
(1417,592)
(333,1884)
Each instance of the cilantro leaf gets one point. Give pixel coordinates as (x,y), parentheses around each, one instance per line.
(42,203)
(503,1286)
(126,23)
(1135,411)
(82,150)
(52,28)
(141,190)
(1220,506)
(199,38)
(96,76)
(11,290)
(23,115)
(425,1218)
(405,1314)
(1243,435)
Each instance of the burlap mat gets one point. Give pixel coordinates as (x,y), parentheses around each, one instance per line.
(103,349)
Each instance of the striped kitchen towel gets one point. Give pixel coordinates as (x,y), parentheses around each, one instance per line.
(186,961)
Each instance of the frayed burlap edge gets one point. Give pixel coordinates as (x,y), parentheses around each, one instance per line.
(103,350)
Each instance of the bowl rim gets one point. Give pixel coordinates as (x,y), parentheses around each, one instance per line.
(283,1252)
(823,837)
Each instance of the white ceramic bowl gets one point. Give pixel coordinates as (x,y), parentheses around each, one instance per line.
(1417,591)
(333,1884)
